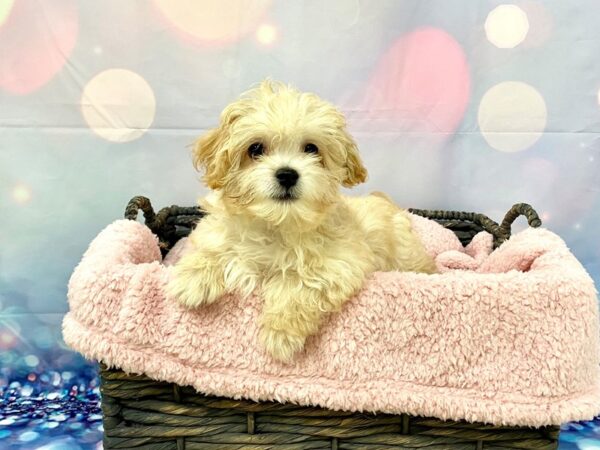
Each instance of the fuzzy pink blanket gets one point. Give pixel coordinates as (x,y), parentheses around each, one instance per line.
(509,337)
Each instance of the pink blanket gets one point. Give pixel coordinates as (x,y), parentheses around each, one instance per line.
(508,338)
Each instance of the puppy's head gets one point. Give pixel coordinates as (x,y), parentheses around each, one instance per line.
(280,155)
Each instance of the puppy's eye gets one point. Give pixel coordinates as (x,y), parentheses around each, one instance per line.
(311,148)
(255,150)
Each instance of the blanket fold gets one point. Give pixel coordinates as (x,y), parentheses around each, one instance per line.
(508,337)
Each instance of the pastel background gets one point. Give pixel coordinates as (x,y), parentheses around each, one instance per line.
(455,104)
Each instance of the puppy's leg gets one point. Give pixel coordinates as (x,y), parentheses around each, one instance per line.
(288,319)
(196,279)
(293,310)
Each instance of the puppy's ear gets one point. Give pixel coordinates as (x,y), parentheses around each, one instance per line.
(210,152)
(206,155)
(348,158)
(356,172)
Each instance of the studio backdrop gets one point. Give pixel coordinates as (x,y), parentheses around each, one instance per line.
(455,104)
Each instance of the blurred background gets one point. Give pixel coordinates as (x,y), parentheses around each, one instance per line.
(455,104)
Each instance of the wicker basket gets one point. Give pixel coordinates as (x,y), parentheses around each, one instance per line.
(140,413)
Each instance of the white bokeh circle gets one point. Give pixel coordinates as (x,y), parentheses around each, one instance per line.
(266,34)
(21,193)
(118,105)
(506,26)
(5,9)
(512,116)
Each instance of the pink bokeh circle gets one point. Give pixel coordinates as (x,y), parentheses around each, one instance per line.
(421,83)
(35,42)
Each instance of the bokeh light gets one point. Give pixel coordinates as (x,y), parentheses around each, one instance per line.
(31,360)
(419,81)
(118,105)
(21,193)
(46,33)
(420,84)
(506,26)
(512,116)
(588,444)
(7,339)
(44,411)
(266,34)
(213,21)
(5,8)
(29,436)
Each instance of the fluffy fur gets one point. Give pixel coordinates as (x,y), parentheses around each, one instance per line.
(307,248)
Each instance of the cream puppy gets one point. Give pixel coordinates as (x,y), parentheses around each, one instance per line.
(277,221)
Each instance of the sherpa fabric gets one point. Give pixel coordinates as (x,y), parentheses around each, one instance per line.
(508,337)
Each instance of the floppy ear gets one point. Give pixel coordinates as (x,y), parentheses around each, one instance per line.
(210,152)
(356,172)
(207,155)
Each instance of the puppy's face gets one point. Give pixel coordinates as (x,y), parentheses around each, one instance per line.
(280,155)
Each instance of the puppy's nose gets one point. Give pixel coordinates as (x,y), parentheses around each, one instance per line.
(287,177)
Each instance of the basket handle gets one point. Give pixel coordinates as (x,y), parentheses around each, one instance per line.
(503,231)
(519,209)
(500,232)
(137,203)
(152,220)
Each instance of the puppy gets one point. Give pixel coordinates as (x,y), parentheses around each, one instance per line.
(277,221)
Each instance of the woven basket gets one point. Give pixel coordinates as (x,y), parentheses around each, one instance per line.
(140,413)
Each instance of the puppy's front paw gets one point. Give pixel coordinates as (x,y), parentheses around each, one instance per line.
(192,291)
(281,345)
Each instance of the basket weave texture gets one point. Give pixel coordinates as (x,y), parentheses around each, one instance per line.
(140,413)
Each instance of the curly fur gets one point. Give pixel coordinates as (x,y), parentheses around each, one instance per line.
(307,255)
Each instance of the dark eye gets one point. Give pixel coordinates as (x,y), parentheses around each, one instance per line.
(311,148)
(255,150)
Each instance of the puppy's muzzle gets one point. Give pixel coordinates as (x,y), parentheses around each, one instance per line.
(287,177)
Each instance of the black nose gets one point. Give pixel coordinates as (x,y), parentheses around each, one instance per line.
(287,177)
